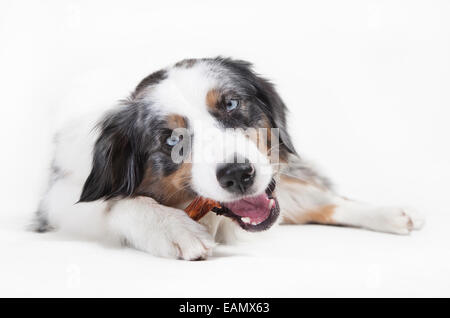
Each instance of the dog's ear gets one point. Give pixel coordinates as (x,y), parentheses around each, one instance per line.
(117,165)
(276,113)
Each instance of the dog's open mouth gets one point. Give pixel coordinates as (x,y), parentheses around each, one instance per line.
(253,214)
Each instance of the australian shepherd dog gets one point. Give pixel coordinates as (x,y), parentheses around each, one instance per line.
(209,128)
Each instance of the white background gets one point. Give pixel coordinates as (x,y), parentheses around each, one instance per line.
(367,83)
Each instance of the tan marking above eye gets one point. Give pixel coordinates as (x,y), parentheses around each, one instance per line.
(212,98)
(176,121)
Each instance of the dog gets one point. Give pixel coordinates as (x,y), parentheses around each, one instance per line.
(116,176)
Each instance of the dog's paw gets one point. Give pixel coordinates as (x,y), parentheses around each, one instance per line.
(417,219)
(191,241)
(159,230)
(396,220)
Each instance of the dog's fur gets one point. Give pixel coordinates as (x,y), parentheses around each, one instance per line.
(114,177)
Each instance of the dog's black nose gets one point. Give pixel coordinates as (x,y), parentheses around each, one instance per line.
(236,177)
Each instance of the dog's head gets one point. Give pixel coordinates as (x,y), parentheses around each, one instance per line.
(199,128)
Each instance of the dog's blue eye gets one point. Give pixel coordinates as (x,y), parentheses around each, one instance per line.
(232,104)
(172,140)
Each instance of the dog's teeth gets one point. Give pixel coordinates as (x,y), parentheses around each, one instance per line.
(255,223)
(271,203)
(245,219)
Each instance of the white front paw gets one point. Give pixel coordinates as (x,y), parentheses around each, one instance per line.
(396,220)
(417,219)
(190,240)
(159,230)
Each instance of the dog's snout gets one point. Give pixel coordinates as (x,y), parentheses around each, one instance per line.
(236,177)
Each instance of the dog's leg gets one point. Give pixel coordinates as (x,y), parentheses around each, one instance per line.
(140,222)
(162,231)
(306,197)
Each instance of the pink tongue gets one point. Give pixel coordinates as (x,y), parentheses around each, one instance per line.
(252,210)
